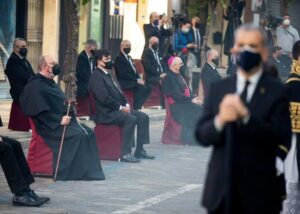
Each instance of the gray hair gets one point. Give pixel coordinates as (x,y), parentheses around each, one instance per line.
(250,27)
(18,39)
(210,52)
(42,62)
(91,42)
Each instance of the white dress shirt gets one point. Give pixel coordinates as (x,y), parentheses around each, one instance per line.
(240,85)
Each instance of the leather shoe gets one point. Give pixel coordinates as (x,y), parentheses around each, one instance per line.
(25,200)
(144,155)
(38,198)
(129,158)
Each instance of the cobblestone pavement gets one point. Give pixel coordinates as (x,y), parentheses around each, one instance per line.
(172,183)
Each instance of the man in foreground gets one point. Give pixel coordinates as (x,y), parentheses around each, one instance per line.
(246,120)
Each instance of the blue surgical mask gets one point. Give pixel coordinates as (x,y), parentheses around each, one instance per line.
(248,59)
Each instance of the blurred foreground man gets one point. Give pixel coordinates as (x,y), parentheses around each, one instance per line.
(45,103)
(246,120)
(18,175)
(18,71)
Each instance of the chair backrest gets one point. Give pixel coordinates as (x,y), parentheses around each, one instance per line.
(139,67)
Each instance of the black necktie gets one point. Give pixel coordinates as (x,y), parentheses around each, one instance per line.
(244,94)
(117,86)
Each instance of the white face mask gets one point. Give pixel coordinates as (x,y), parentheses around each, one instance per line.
(286,22)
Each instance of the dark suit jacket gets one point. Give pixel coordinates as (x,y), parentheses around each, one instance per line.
(208,76)
(18,72)
(126,76)
(149,31)
(108,98)
(151,67)
(83,73)
(258,141)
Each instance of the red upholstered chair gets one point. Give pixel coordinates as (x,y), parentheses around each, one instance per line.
(154,98)
(17,120)
(109,141)
(172,130)
(129,96)
(40,157)
(84,106)
(108,137)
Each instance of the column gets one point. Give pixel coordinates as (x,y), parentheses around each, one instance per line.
(34,31)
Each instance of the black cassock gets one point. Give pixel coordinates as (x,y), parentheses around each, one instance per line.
(45,103)
(184,111)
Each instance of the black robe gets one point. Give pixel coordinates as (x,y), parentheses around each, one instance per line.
(184,111)
(45,103)
(293,84)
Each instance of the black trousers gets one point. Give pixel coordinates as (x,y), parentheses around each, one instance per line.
(129,122)
(140,95)
(14,165)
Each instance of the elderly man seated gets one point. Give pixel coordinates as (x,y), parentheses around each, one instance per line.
(185,109)
(45,103)
(209,73)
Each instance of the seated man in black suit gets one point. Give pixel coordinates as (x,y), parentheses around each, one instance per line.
(129,78)
(84,68)
(209,73)
(112,108)
(17,173)
(246,120)
(152,65)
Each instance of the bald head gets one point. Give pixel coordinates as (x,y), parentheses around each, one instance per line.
(153,41)
(212,54)
(45,65)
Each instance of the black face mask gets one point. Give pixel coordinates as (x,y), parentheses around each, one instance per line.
(156,22)
(23,52)
(197,25)
(93,52)
(216,61)
(248,60)
(109,64)
(127,50)
(155,47)
(56,69)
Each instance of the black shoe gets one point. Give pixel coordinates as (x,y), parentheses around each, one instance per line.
(38,198)
(129,158)
(25,200)
(144,155)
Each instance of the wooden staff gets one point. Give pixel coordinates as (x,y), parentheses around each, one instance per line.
(62,141)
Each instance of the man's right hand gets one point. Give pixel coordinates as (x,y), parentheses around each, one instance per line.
(125,109)
(65,120)
(227,111)
(140,81)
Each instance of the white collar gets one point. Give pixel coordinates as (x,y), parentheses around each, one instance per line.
(212,65)
(103,69)
(252,79)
